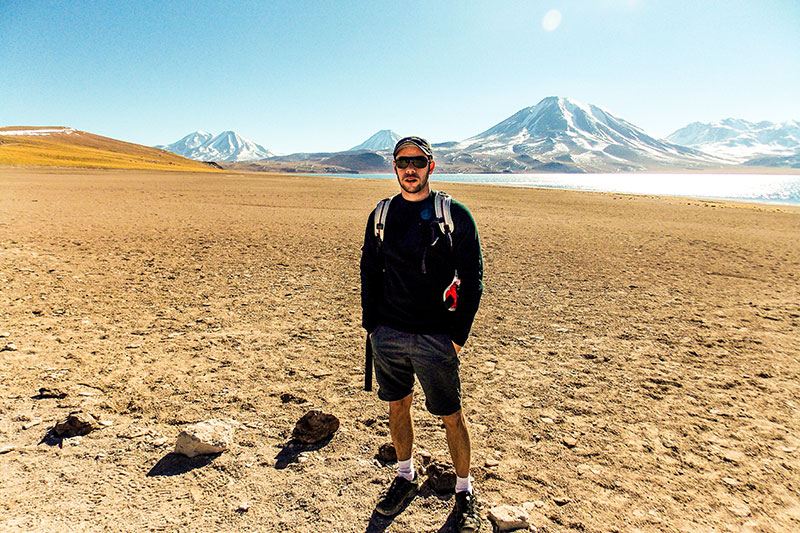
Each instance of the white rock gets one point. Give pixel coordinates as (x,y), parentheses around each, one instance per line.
(212,436)
(508,517)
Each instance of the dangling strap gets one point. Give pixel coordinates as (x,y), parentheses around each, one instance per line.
(441,206)
(379,217)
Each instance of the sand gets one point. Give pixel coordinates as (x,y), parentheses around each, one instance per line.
(634,365)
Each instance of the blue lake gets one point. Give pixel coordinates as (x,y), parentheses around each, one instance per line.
(775,188)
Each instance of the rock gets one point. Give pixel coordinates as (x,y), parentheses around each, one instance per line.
(6,449)
(212,436)
(509,518)
(739,509)
(548,420)
(315,426)
(570,441)
(10,347)
(243,507)
(425,457)
(561,500)
(441,478)
(491,462)
(32,423)
(288,397)
(45,392)
(77,423)
(4,334)
(387,453)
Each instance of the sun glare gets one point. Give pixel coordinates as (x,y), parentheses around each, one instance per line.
(551,20)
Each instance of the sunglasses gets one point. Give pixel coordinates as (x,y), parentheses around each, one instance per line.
(419,161)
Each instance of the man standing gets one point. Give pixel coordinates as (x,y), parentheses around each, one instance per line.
(421,283)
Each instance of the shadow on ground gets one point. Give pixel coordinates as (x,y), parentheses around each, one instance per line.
(174,464)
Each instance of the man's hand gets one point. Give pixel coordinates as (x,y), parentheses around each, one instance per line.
(456,347)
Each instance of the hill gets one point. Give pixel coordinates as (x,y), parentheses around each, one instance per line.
(67,147)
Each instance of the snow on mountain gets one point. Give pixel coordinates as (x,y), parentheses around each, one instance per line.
(565,131)
(740,140)
(383,140)
(227,146)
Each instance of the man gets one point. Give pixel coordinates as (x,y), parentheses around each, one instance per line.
(420,290)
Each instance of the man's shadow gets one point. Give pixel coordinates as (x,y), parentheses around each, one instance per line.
(379,523)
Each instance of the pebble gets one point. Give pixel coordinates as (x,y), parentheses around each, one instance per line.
(569,441)
(32,423)
(740,509)
(10,347)
(561,500)
(509,517)
(243,507)
(4,334)
(730,481)
(491,462)
(7,449)
(548,420)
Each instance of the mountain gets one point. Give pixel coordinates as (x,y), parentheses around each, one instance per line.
(740,140)
(564,135)
(383,140)
(68,147)
(227,146)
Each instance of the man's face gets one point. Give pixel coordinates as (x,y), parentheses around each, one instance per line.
(413,180)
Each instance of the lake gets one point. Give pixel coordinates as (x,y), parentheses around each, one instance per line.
(773,188)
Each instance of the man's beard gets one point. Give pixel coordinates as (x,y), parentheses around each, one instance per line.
(413,188)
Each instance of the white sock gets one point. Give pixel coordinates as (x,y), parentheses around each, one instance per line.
(464,484)
(405,469)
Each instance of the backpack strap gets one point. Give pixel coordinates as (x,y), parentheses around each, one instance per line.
(441,207)
(379,217)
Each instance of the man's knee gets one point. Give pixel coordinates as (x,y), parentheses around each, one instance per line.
(401,406)
(455,420)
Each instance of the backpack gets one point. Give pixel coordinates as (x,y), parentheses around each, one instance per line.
(441,208)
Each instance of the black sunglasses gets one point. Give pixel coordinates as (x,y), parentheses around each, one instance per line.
(419,161)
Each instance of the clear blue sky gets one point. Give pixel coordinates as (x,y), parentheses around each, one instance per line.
(313,76)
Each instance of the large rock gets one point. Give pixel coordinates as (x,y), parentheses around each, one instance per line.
(387,453)
(441,478)
(315,426)
(509,518)
(77,423)
(212,436)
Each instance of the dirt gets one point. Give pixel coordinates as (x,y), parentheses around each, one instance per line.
(634,365)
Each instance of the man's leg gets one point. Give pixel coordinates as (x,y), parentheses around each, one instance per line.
(401,427)
(458,442)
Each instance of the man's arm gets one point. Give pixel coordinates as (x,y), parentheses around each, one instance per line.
(371,278)
(469,264)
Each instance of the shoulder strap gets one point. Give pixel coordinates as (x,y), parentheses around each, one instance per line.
(379,217)
(441,206)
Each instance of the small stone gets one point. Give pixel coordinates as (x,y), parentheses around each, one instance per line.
(45,392)
(4,334)
(10,347)
(570,441)
(548,420)
(425,457)
(740,509)
(243,507)
(315,426)
(77,423)
(32,423)
(106,423)
(441,478)
(491,462)
(730,481)
(6,449)
(387,453)
(160,441)
(509,517)
(212,436)
(561,500)
(733,456)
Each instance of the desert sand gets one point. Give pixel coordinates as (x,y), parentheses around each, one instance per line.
(634,366)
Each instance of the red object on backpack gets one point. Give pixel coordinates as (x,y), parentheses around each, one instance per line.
(451,294)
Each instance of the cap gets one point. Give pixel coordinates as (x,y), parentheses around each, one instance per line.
(419,142)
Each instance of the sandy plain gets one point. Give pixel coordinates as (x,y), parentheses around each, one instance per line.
(634,366)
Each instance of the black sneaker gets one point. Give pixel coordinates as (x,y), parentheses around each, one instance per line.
(400,492)
(468,520)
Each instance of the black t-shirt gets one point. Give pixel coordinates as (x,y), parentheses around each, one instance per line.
(404,278)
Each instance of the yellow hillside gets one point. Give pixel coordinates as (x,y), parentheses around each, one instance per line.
(65,147)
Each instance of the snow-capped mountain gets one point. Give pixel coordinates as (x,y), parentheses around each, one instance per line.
(383,140)
(227,146)
(563,134)
(740,140)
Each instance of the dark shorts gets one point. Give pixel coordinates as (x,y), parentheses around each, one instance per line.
(399,356)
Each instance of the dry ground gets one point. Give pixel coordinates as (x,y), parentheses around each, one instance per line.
(657,337)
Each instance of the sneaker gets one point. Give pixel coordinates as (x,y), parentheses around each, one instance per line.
(400,492)
(468,520)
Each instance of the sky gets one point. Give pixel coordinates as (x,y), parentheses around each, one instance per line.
(307,76)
